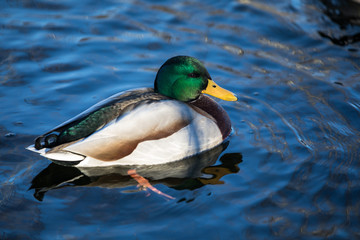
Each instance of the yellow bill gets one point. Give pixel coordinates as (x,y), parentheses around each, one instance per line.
(215,90)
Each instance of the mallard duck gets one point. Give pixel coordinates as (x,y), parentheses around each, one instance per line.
(147,126)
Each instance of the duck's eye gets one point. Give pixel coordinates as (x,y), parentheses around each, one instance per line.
(194,75)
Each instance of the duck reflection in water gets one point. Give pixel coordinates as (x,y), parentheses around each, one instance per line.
(190,173)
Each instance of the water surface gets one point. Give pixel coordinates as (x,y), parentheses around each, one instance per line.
(290,170)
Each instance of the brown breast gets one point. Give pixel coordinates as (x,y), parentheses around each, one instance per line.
(212,108)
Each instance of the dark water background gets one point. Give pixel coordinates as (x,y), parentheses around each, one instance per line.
(291,169)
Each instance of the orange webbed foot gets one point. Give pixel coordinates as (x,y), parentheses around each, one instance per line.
(144,184)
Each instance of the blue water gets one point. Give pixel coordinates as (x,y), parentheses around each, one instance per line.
(290,170)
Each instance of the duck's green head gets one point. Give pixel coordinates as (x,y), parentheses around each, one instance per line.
(185,78)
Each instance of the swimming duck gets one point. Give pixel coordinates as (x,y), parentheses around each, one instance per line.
(147,126)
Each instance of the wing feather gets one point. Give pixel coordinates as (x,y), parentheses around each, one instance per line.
(121,137)
(96,117)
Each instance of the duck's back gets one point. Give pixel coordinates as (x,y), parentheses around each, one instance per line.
(97,117)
